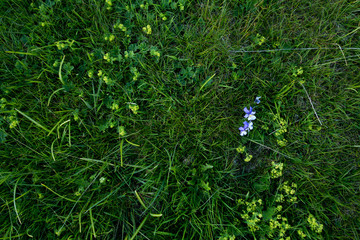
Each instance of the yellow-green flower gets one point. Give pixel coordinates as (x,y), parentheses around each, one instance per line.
(134,108)
(147,29)
(90,73)
(121,27)
(107,57)
(155,53)
(114,106)
(240,149)
(248,158)
(301,233)
(276,170)
(121,131)
(13,121)
(314,225)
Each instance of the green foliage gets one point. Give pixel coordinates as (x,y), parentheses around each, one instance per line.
(119,119)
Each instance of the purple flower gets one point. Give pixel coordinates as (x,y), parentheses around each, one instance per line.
(257,100)
(243,130)
(250,114)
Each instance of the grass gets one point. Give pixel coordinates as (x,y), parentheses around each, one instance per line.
(115,133)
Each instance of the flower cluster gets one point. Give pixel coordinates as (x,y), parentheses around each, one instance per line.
(120,26)
(102,76)
(253,214)
(279,227)
(227,237)
(287,193)
(108,4)
(134,108)
(277,169)
(248,158)
(259,40)
(314,225)
(147,29)
(13,122)
(155,53)
(121,131)
(109,38)
(250,115)
(301,233)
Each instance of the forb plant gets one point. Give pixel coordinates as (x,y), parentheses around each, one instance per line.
(249,116)
(252,213)
(129,54)
(268,219)
(248,126)
(154,52)
(283,125)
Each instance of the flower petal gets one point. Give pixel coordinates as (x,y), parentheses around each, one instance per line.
(251,117)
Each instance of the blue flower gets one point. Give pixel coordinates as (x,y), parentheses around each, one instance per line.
(250,114)
(243,130)
(257,100)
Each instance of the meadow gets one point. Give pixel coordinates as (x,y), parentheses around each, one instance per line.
(179,119)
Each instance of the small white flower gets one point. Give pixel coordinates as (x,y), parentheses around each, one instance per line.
(250,125)
(102,180)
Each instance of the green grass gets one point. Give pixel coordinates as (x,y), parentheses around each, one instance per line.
(79,161)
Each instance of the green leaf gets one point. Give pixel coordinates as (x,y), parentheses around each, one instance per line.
(268,214)
(207,82)
(263,184)
(2,136)
(206,167)
(205,186)
(104,126)
(68,68)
